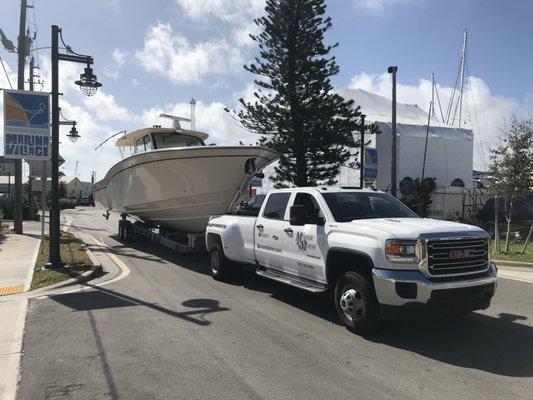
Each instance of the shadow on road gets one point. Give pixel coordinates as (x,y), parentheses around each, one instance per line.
(497,345)
(500,345)
(102,298)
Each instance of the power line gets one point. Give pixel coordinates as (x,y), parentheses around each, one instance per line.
(5,72)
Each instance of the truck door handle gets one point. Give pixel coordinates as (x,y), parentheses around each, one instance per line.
(288,230)
(260,227)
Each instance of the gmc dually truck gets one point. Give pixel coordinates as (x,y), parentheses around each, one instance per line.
(375,256)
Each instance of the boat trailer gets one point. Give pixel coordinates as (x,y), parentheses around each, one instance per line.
(181,242)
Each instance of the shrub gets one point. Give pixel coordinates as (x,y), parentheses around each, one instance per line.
(65,204)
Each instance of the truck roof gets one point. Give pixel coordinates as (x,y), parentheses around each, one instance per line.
(328,189)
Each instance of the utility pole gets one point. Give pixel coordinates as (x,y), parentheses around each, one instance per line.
(430,113)
(22,51)
(393,70)
(362,150)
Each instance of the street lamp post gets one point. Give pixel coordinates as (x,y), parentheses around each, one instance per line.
(394,152)
(88,85)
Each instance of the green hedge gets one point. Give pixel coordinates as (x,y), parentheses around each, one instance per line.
(66,203)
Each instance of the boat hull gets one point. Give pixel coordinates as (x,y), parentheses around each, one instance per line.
(180,188)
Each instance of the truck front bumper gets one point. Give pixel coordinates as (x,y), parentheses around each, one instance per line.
(406,294)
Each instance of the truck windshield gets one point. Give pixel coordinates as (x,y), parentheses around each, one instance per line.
(348,206)
(165,140)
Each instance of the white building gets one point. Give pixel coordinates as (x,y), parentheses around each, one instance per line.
(76,188)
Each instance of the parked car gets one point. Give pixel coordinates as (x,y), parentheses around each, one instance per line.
(85,201)
(521,219)
(376,257)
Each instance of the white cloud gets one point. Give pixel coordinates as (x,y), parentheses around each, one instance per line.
(380,7)
(119,58)
(135,82)
(210,118)
(171,54)
(238,14)
(103,107)
(484,112)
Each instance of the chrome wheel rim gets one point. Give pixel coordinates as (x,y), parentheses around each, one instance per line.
(215,262)
(352,304)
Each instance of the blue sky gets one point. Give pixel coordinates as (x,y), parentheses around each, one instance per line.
(153,56)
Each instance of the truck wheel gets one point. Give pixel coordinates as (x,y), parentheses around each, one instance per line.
(356,303)
(220,266)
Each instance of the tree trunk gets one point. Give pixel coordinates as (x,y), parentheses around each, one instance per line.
(508,225)
(528,238)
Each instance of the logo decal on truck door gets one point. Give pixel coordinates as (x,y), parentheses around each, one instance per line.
(301,241)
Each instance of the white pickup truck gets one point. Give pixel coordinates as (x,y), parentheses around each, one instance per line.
(377,257)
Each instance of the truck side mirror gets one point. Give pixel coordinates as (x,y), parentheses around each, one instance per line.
(297,215)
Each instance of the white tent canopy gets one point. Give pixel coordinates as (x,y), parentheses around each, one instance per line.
(449,151)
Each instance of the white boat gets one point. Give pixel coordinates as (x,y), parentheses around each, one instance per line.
(174,180)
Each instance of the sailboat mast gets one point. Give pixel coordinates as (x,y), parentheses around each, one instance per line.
(463,61)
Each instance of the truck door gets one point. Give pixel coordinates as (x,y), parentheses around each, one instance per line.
(268,233)
(303,246)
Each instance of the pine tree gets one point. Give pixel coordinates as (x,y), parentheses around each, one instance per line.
(295,111)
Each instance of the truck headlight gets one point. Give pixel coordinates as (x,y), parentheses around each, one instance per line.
(401,251)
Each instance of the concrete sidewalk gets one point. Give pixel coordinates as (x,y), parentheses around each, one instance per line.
(17,259)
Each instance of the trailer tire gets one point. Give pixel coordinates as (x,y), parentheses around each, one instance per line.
(219,265)
(356,303)
(121,231)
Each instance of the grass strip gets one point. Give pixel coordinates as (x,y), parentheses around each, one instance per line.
(514,254)
(72,254)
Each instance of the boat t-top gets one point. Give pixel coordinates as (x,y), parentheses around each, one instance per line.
(173,179)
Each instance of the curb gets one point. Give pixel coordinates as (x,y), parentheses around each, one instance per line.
(513,263)
(84,277)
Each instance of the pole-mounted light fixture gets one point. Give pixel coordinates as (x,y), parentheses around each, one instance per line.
(88,82)
(88,85)
(73,134)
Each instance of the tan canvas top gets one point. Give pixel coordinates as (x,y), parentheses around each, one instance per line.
(129,139)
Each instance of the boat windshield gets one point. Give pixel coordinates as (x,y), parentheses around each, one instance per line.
(349,206)
(164,140)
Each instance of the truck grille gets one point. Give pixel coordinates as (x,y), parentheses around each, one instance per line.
(458,256)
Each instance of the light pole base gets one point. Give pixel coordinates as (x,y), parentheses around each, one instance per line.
(51,266)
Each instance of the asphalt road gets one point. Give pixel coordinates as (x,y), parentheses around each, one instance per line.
(169,331)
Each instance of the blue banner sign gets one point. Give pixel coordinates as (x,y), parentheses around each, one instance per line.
(371,164)
(26,125)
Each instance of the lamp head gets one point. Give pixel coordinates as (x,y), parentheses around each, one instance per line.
(88,82)
(73,134)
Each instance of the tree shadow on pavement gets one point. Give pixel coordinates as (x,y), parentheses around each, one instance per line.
(499,345)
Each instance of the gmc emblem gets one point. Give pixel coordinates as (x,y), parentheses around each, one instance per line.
(459,254)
